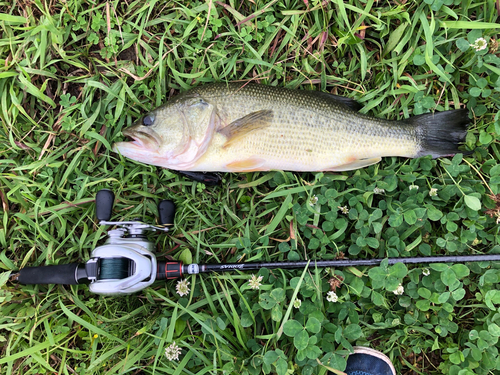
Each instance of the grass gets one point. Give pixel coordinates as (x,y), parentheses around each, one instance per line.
(74,74)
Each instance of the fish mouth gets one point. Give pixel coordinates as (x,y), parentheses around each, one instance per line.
(144,142)
(142,139)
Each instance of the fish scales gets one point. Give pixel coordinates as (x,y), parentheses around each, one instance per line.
(235,127)
(307,132)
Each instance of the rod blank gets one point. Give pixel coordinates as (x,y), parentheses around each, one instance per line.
(225,267)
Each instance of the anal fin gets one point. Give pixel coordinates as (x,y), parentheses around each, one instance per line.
(355,164)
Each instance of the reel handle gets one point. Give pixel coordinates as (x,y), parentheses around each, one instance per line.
(166,211)
(104,200)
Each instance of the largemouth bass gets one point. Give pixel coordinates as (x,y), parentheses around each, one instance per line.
(241,128)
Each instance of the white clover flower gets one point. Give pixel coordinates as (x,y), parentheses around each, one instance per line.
(379,191)
(182,287)
(255,282)
(172,352)
(479,44)
(313,200)
(433,192)
(297,303)
(426,272)
(331,296)
(477,241)
(399,290)
(413,187)
(344,209)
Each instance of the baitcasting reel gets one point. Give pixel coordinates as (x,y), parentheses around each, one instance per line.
(123,265)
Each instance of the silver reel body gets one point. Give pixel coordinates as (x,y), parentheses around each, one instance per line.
(126,242)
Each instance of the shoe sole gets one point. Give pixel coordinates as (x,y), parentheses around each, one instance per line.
(375,353)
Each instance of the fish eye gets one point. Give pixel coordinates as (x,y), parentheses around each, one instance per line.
(148,120)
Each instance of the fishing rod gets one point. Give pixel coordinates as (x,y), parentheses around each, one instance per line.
(125,264)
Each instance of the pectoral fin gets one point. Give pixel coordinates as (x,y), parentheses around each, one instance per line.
(247,165)
(355,164)
(244,125)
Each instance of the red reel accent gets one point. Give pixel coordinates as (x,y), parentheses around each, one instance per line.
(173,270)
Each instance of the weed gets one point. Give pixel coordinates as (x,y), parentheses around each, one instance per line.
(74,74)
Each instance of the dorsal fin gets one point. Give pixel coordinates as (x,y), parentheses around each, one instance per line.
(351,103)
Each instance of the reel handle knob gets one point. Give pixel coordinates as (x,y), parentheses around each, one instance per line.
(104,200)
(166,210)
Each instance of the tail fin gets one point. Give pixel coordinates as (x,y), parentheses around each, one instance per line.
(441,133)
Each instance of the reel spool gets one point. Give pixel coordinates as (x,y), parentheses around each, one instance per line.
(115,268)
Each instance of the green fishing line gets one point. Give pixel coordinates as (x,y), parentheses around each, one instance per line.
(114,268)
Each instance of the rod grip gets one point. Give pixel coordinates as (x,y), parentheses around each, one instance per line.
(60,274)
